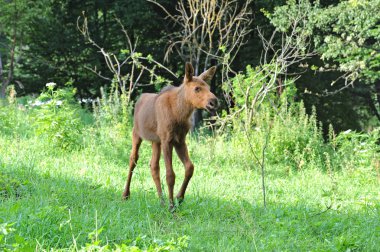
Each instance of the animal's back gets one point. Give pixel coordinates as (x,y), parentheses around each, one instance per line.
(145,117)
(145,123)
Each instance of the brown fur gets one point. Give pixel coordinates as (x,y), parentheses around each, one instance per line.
(164,120)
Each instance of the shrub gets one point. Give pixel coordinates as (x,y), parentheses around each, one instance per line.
(294,137)
(112,108)
(58,118)
(355,149)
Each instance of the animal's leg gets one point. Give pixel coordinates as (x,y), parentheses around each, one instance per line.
(136,142)
(155,168)
(167,149)
(183,154)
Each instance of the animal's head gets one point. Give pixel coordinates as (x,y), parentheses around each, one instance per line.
(197,90)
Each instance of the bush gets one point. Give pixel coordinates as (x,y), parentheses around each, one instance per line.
(355,149)
(58,118)
(293,137)
(296,139)
(112,109)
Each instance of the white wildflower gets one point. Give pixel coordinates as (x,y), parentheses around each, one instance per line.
(51,84)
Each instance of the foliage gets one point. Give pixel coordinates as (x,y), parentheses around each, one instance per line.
(350,36)
(206,31)
(56,51)
(6,124)
(62,169)
(75,204)
(111,112)
(58,118)
(5,229)
(252,89)
(140,244)
(128,68)
(295,138)
(14,117)
(48,46)
(18,14)
(346,36)
(15,17)
(347,33)
(10,240)
(14,242)
(357,149)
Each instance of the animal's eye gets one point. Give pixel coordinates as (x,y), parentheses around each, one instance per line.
(197,89)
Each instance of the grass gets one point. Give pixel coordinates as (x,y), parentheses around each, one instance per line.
(63,170)
(72,199)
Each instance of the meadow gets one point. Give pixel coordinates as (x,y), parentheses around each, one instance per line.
(63,170)
(289,162)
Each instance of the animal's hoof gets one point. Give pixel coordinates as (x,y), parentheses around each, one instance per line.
(180,200)
(125,196)
(172,208)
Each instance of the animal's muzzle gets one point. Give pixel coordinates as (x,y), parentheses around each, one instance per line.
(212,104)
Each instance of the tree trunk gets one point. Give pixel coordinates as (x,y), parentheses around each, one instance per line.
(367,95)
(374,108)
(213,90)
(2,80)
(197,117)
(5,82)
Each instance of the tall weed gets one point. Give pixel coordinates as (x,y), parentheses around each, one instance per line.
(58,118)
(14,117)
(355,149)
(294,137)
(112,109)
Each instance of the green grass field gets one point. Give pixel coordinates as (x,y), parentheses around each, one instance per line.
(58,200)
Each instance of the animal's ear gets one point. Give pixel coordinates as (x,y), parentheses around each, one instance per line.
(208,74)
(189,72)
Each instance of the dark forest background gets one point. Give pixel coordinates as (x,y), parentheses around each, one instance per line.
(40,43)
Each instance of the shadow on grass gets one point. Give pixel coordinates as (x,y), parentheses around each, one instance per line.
(58,212)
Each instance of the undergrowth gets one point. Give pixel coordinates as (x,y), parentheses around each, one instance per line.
(62,171)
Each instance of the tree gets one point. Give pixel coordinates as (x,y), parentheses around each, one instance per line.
(127,68)
(56,51)
(14,18)
(346,37)
(207,31)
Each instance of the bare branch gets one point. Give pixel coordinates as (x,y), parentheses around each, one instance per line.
(207,29)
(97,73)
(136,62)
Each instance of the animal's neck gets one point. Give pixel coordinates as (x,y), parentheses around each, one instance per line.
(183,107)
